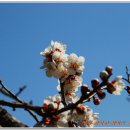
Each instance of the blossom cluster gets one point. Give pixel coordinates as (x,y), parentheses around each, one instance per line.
(115,86)
(64,67)
(59,64)
(82,116)
(68,69)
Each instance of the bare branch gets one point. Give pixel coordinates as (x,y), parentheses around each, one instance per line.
(17,99)
(5,93)
(20,105)
(37,109)
(7,120)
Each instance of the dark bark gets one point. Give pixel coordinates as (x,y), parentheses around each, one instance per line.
(7,120)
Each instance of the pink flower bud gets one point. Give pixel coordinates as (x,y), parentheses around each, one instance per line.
(110,87)
(95,83)
(104,75)
(109,69)
(101,94)
(96,101)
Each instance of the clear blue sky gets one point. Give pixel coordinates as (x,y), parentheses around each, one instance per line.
(99,32)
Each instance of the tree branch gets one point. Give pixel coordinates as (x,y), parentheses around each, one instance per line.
(7,120)
(62,93)
(20,105)
(83,99)
(17,99)
(37,109)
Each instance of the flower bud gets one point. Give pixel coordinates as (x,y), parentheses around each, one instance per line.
(128,89)
(110,87)
(104,75)
(84,89)
(101,94)
(95,83)
(109,70)
(96,101)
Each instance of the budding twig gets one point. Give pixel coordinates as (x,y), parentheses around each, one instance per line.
(21,89)
(17,99)
(37,109)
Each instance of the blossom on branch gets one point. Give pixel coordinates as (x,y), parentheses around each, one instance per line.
(68,69)
(116,86)
(84,116)
(75,64)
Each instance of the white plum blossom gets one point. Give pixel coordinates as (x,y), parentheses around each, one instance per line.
(59,57)
(119,85)
(62,72)
(54,58)
(53,103)
(51,69)
(71,97)
(55,98)
(84,116)
(54,47)
(68,69)
(60,65)
(75,64)
(73,83)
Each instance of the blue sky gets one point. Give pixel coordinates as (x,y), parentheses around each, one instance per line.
(98,31)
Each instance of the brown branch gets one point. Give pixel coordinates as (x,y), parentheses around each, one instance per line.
(62,93)
(20,105)
(37,109)
(17,99)
(82,99)
(5,93)
(7,120)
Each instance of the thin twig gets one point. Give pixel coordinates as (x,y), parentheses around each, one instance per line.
(127,72)
(126,80)
(21,89)
(17,99)
(5,93)
(128,75)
